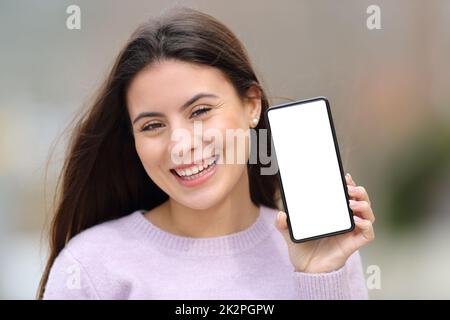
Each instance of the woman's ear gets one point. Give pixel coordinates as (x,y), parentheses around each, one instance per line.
(253,105)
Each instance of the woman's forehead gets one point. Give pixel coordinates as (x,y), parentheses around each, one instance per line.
(170,84)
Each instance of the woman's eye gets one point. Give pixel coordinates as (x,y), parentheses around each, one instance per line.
(151,126)
(200,111)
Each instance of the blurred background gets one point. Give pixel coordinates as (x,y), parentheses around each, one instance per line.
(388,88)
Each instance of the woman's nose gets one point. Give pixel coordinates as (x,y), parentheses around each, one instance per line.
(184,143)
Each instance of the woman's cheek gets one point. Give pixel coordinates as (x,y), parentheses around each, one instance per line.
(150,152)
(235,140)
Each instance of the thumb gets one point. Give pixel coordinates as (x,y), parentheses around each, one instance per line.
(282,226)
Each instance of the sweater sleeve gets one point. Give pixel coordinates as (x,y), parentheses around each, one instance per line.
(345,283)
(68,280)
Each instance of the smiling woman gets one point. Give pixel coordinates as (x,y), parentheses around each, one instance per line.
(131,222)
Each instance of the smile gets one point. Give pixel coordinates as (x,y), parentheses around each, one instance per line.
(196,174)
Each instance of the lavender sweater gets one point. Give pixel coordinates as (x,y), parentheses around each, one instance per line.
(130,258)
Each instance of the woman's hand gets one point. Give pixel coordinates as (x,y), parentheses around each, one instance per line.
(331,253)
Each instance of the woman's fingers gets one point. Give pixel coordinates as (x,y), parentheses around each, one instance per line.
(349,179)
(281,220)
(358,193)
(282,226)
(362,209)
(365,232)
(359,200)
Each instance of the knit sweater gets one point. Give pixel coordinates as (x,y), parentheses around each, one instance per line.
(131,258)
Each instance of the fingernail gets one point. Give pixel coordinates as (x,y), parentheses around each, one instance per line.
(352,203)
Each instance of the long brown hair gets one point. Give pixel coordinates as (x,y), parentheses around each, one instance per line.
(102,176)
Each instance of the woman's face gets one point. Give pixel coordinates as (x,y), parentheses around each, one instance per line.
(184,113)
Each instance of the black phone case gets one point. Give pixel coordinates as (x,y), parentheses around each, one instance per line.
(344,183)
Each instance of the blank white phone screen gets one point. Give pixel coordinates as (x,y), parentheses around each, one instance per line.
(309,169)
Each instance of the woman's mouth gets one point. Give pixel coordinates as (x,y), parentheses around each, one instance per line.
(196,174)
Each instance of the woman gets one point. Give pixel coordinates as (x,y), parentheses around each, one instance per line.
(133,222)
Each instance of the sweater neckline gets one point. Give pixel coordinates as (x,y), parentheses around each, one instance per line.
(209,246)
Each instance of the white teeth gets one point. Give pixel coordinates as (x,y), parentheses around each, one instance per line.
(195,169)
(208,162)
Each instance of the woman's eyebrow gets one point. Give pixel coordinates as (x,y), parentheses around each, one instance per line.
(184,106)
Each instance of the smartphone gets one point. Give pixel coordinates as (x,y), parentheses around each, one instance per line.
(312,182)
